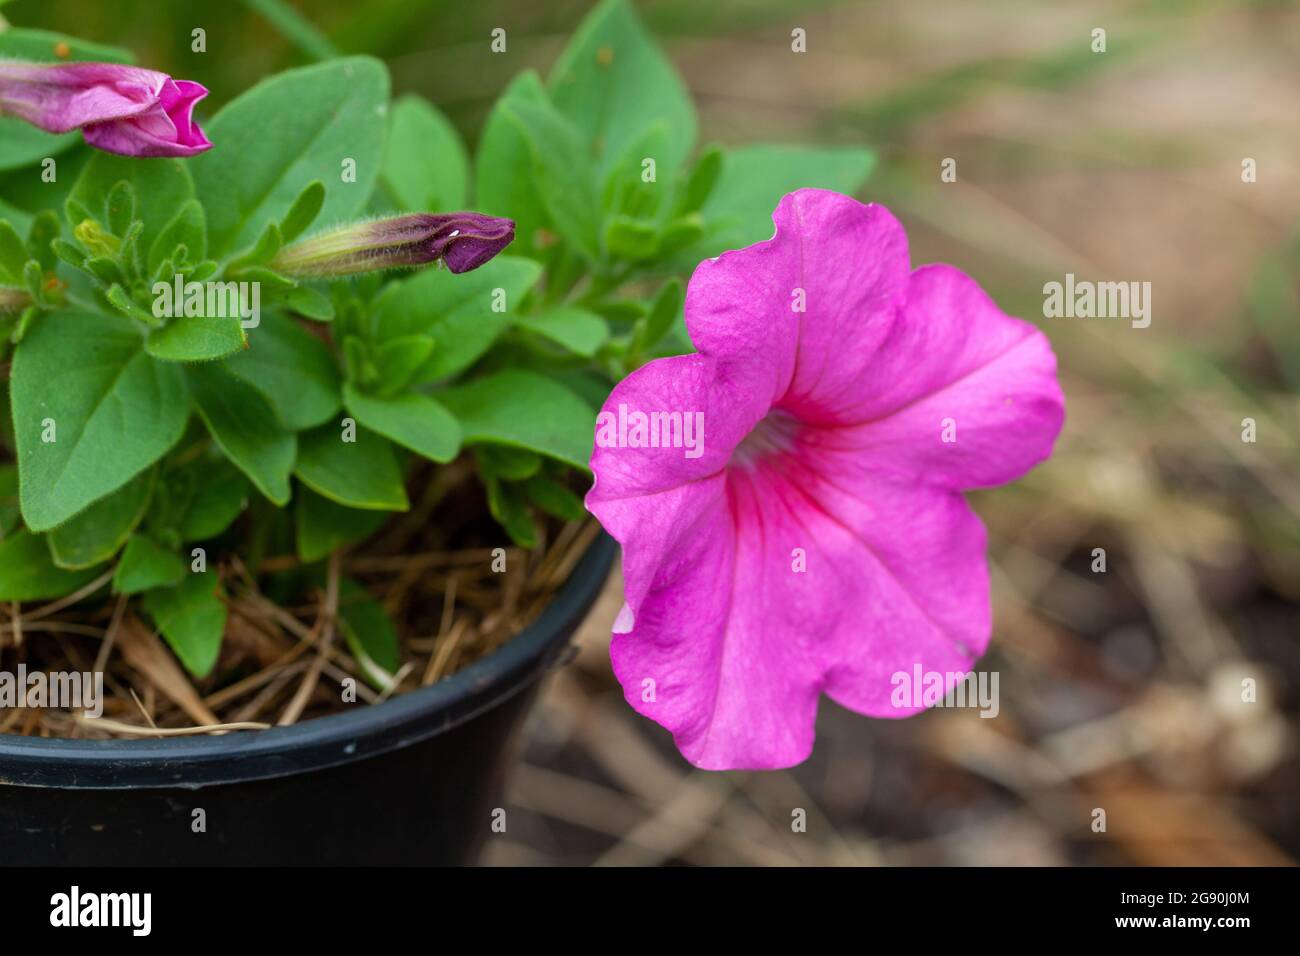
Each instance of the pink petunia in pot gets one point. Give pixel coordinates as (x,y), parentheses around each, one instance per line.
(789,499)
(119,109)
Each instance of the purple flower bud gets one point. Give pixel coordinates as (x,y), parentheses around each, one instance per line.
(119,109)
(463,240)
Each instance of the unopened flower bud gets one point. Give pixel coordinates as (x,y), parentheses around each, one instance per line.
(119,109)
(463,240)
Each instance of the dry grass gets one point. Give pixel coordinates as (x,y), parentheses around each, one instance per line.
(281,664)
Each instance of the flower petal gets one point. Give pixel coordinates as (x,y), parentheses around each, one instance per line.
(960,396)
(178,99)
(712,654)
(801,315)
(770,586)
(632,491)
(899,572)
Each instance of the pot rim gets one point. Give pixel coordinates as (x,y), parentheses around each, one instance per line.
(239,756)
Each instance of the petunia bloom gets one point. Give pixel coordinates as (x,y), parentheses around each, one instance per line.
(816,539)
(119,109)
(463,240)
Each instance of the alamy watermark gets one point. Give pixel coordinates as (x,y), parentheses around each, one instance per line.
(919,688)
(133,911)
(211,300)
(661,429)
(1084,299)
(67,690)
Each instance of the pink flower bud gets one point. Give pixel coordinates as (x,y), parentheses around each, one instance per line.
(119,109)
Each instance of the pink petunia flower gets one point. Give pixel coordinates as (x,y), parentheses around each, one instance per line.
(811,535)
(119,109)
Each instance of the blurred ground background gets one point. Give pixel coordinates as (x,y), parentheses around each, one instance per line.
(1119,691)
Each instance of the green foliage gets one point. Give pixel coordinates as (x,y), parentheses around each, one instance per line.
(192,617)
(369,633)
(91,409)
(297,126)
(146,565)
(425,164)
(170,390)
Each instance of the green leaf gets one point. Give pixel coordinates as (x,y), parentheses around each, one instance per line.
(425,165)
(397,360)
(242,424)
(413,420)
(357,360)
(25,192)
(114,409)
(303,212)
(161,187)
(145,565)
(219,496)
(368,631)
(295,127)
(272,283)
(612,82)
(121,300)
(361,474)
(663,313)
(502,461)
(28,573)
(94,535)
(679,234)
(9,513)
(19,218)
(20,143)
(554,498)
(268,243)
(457,310)
(192,618)
(503,169)
(699,185)
(69,253)
(33,279)
(42,46)
(562,170)
(108,271)
(45,228)
(635,240)
(625,186)
(578,330)
(188,228)
(119,209)
(293,370)
(323,526)
(526,410)
(310,303)
(738,213)
(13,254)
(196,338)
(295,28)
(510,510)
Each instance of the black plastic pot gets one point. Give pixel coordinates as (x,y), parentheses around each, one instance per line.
(414,780)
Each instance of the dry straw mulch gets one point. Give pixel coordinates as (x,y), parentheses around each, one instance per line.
(432,569)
